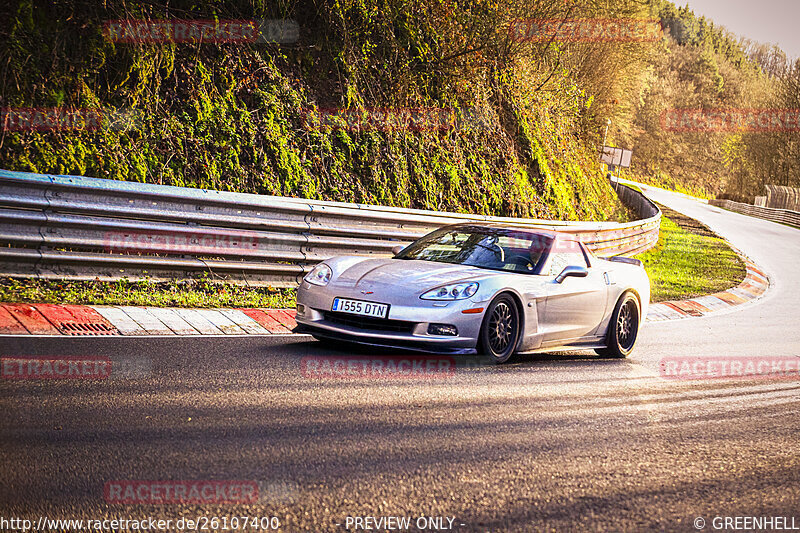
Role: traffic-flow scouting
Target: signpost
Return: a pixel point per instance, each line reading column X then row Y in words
column 616, row 158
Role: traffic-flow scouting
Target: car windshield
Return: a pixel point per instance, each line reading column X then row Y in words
column 492, row 248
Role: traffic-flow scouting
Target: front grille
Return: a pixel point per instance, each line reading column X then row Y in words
column 365, row 322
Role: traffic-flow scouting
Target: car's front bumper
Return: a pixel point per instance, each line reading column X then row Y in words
column 314, row 317
column 394, row 343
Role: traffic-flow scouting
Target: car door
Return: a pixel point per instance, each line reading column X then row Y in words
column 575, row 307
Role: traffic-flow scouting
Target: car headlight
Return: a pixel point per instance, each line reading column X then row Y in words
column 456, row 291
column 319, row 275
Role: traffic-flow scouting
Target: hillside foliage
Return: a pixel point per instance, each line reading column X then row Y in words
column 522, row 123
column 520, row 137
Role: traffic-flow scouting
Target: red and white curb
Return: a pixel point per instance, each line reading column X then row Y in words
column 51, row 319
column 754, row 286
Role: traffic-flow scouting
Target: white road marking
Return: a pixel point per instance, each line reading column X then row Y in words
column 244, row 321
column 712, row 302
column 172, row 320
column 225, row 324
column 149, row 322
column 198, row 321
column 124, row 324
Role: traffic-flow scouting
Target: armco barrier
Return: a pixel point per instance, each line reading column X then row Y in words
column 782, row 197
column 783, row 216
column 73, row 227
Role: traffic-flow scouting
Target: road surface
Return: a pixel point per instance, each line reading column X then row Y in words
column 564, row 443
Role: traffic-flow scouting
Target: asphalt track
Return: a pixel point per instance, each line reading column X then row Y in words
column 553, row 442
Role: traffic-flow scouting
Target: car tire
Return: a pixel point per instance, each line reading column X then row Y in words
column 500, row 329
column 623, row 328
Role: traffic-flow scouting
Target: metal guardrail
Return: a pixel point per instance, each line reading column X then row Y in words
column 73, row 227
column 784, row 216
column 782, row 197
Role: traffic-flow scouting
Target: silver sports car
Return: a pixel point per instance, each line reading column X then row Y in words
column 490, row 288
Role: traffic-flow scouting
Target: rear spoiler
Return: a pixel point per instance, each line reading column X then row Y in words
column 622, row 259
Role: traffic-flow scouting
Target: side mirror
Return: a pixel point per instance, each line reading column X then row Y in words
column 572, row 272
column 397, row 249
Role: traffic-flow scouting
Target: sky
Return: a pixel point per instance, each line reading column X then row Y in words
column 767, row 21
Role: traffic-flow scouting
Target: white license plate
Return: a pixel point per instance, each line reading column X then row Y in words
column 358, row 307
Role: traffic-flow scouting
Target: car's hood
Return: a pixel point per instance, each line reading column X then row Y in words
column 415, row 275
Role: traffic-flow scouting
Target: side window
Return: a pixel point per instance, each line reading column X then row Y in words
column 561, row 260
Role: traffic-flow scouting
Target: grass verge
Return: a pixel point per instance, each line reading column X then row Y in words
column 194, row 293
column 689, row 260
